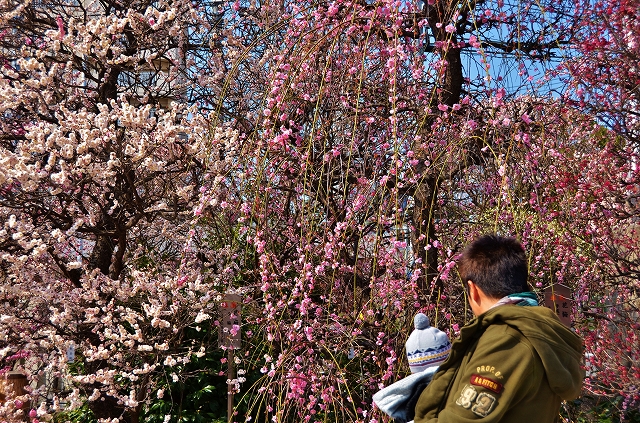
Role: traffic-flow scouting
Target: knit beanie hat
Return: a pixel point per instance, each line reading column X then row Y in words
column 427, row 346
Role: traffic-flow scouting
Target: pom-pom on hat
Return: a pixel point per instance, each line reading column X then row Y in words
column 427, row 346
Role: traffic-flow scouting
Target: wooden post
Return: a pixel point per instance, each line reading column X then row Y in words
column 231, row 374
column 229, row 338
column 16, row 382
column 12, row 385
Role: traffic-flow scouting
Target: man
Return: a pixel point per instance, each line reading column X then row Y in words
column 515, row 362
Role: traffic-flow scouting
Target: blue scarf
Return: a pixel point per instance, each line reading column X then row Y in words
column 527, row 299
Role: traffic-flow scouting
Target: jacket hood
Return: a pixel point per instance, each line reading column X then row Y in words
column 557, row 346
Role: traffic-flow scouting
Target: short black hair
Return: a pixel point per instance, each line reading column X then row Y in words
column 497, row 265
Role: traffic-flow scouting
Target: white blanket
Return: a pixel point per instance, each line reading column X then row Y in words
column 398, row 400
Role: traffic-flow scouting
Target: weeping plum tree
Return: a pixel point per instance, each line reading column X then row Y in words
column 375, row 156
column 384, row 148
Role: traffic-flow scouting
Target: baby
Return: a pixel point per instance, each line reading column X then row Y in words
column 427, row 347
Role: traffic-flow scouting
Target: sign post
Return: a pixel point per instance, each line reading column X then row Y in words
column 229, row 338
column 231, row 374
column 558, row 298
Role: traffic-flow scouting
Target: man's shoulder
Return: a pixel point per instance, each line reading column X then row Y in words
column 519, row 317
column 510, row 311
column 502, row 330
column 501, row 335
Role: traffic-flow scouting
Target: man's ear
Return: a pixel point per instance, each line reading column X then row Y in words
column 474, row 292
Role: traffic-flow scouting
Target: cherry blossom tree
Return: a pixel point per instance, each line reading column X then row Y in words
column 606, row 73
column 604, row 220
column 579, row 226
column 104, row 156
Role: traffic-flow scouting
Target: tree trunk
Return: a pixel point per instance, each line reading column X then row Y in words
column 102, row 253
column 426, row 194
column 425, row 204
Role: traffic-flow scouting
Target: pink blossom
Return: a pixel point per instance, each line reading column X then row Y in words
column 60, row 24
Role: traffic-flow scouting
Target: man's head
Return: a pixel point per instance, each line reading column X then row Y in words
column 495, row 264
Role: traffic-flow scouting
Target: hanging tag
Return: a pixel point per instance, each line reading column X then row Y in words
column 229, row 334
column 559, row 299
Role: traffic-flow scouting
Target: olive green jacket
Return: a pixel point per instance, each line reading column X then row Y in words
column 511, row 364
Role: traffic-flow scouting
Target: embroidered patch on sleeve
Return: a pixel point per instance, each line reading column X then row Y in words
column 467, row 396
column 484, row 404
column 485, row 382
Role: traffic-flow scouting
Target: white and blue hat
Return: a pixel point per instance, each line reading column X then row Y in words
column 427, row 346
